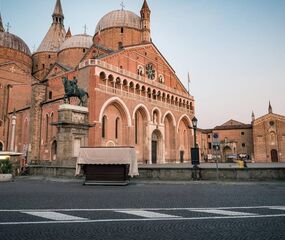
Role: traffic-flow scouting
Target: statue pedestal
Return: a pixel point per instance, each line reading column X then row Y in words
column 72, row 133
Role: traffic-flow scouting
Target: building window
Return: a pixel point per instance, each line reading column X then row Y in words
column 122, row 30
column 150, row 71
column 160, row 78
column 117, row 128
column 209, row 136
column 48, row 56
column 43, row 66
column 104, row 121
column 140, row 70
column 120, row 45
column 243, row 144
column 210, row 145
column 242, row 133
column 83, row 50
column 50, row 95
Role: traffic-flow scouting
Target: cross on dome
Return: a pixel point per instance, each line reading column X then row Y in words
column 85, row 29
column 8, row 26
column 122, row 5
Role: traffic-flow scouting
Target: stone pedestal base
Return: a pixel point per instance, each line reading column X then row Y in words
column 72, row 133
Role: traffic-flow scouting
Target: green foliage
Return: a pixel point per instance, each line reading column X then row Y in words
column 5, row 167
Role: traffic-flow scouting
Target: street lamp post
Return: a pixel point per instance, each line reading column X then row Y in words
column 195, row 151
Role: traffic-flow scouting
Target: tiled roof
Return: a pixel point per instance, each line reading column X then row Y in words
column 9, row 40
column 77, row 41
column 53, row 39
column 231, row 127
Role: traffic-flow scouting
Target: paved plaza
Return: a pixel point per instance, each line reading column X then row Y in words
column 45, row 209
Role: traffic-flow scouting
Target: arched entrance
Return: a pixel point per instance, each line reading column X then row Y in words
column 156, row 146
column 141, row 116
column 184, row 139
column 227, row 151
column 53, row 150
column 274, row 155
column 115, row 120
column 1, row 146
column 169, row 139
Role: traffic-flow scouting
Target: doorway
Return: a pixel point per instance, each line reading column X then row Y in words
column 274, row 155
column 156, row 147
column 154, row 152
column 181, row 156
column 53, row 150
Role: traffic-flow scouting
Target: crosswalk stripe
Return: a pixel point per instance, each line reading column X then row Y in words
column 278, row 208
column 55, row 216
column 148, row 214
column 223, row 212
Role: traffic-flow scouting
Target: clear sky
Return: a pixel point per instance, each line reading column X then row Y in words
column 234, row 49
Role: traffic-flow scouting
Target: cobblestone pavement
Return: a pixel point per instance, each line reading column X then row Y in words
column 67, row 210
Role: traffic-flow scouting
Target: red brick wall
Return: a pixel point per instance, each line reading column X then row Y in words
column 112, row 36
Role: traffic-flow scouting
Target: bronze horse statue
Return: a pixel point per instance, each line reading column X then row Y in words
column 72, row 90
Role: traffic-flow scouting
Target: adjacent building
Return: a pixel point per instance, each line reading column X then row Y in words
column 261, row 141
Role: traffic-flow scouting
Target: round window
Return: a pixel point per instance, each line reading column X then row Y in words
column 150, row 72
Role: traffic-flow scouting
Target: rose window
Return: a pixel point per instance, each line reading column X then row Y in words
column 150, row 72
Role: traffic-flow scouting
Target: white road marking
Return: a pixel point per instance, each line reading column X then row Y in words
column 223, row 212
column 147, row 214
column 278, row 208
column 144, row 219
column 55, row 216
column 134, row 209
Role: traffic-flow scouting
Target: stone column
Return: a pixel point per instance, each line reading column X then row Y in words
column 12, row 143
column 72, row 133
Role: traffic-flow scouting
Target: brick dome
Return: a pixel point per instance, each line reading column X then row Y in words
column 9, row 40
column 119, row 18
column 77, row 41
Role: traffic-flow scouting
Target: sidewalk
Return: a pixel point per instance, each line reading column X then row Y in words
column 213, row 165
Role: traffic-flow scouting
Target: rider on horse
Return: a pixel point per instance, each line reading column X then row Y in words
column 73, row 83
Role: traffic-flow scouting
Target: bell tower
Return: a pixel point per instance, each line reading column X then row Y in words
column 57, row 15
column 145, row 20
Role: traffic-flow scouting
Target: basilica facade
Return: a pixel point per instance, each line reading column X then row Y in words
column 135, row 97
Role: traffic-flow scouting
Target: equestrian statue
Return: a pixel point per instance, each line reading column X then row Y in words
column 72, row 90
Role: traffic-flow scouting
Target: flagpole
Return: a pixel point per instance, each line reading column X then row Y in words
column 189, row 82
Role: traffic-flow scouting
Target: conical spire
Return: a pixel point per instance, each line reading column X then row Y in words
column 57, row 15
column 252, row 116
column 145, row 6
column 269, row 108
column 1, row 24
column 56, row 34
column 58, row 9
column 68, row 34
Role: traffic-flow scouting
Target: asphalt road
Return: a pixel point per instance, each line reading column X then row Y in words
column 39, row 209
